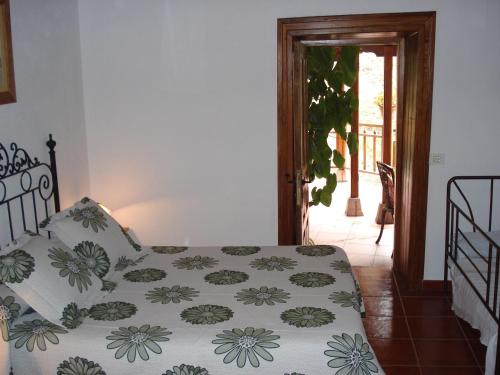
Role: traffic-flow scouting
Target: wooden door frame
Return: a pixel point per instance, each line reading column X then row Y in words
column 412, row 162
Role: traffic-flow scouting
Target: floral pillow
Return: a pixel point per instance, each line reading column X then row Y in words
column 11, row 307
column 54, row 280
column 89, row 230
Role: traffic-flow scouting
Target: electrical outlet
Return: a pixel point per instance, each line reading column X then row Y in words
column 437, row 159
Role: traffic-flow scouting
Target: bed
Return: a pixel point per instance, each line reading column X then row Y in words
column 173, row 309
column 472, row 261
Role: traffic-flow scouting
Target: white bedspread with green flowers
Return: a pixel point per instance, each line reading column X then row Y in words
column 218, row 311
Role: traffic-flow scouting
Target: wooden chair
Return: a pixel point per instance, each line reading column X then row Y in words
column 386, row 173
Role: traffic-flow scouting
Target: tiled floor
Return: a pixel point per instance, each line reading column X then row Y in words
column 356, row 235
column 416, row 333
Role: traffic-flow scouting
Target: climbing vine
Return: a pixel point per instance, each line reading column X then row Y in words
column 331, row 76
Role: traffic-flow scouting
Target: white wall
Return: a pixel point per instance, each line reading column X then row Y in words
column 180, row 106
column 47, row 64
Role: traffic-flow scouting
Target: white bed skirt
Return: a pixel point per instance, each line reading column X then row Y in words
column 468, row 306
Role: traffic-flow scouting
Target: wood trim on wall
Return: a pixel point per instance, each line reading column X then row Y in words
column 9, row 94
column 436, row 285
column 412, row 163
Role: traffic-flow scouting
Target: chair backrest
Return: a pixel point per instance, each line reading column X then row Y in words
column 386, row 173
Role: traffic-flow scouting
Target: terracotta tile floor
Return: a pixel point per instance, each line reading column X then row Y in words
column 416, row 332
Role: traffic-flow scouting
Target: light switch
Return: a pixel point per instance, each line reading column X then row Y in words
column 437, row 159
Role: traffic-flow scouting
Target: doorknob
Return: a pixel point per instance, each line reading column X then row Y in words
column 301, row 180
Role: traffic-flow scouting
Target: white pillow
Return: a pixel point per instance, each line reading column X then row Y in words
column 11, row 307
column 88, row 229
column 50, row 277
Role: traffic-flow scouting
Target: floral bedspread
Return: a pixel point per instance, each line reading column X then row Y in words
column 218, row 311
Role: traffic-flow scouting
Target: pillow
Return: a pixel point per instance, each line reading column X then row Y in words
column 51, row 278
column 89, row 230
column 11, row 307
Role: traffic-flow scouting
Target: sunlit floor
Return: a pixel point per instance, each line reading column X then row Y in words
column 356, row 235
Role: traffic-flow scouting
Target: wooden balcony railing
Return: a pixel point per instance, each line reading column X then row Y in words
column 370, row 147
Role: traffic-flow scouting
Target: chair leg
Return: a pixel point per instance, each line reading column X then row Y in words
column 384, row 211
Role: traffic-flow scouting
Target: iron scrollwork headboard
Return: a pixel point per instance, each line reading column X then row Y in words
column 26, row 188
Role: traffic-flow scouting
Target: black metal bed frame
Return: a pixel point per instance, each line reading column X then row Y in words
column 17, row 187
column 16, row 163
column 455, row 216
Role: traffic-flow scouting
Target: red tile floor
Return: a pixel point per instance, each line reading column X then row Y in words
column 416, row 333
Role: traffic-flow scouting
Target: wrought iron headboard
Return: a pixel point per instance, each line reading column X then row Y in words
column 27, row 186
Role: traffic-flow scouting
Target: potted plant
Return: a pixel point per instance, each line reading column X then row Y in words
column 331, row 76
column 379, row 101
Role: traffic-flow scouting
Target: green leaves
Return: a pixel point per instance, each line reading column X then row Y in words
column 347, row 64
column 331, row 75
column 324, row 195
column 352, row 143
column 338, row 159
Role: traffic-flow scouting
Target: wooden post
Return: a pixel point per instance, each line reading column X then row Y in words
column 387, row 121
column 353, row 203
column 340, row 145
column 355, row 129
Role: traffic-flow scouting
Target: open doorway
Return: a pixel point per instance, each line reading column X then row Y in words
column 413, row 34
column 356, row 226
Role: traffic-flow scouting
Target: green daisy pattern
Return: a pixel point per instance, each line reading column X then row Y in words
column 312, row 279
column 90, row 217
column 9, row 311
column 307, row 317
column 132, row 340
column 94, row 256
column 206, row 314
column 124, row 262
column 168, row 249
column 132, row 243
column 73, row 268
column 108, row 285
column 72, row 316
column 342, row 266
column 187, row 370
column 351, row 355
column 249, row 343
column 79, row 366
column 198, row 262
column 35, row 331
column 346, row 299
column 226, row 277
column 44, row 222
column 240, row 250
column 175, row 294
column 274, row 263
column 317, row 250
column 145, row 275
column 263, row 295
column 31, row 233
column 16, row 266
column 111, row 311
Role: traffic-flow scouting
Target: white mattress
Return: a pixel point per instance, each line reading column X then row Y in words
column 478, row 241
column 468, row 306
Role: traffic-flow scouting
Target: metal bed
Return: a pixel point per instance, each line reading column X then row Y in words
column 462, row 254
column 29, row 190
